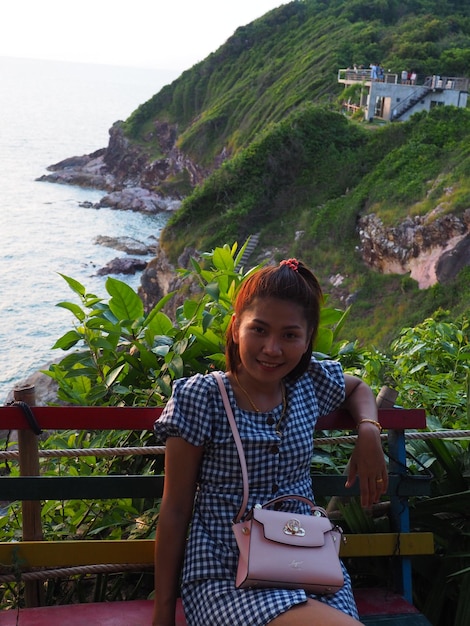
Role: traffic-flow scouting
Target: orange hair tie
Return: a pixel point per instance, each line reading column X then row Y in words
column 293, row 264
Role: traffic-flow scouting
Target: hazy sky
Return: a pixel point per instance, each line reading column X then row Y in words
column 166, row 34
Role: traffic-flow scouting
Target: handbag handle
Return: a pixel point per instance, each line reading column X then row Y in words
column 238, row 443
column 295, row 496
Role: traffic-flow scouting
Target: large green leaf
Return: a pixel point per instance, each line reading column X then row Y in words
column 67, row 341
column 125, row 304
column 97, row 393
column 223, row 259
column 74, row 308
column 77, row 287
column 324, row 341
column 160, row 324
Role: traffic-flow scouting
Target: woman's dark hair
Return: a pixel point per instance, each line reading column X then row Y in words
column 292, row 281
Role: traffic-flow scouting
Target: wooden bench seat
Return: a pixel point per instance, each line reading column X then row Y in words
column 376, row 606
column 133, row 613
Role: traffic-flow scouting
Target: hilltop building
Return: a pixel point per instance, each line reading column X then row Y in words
column 394, row 97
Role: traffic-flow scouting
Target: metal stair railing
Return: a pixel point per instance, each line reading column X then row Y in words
column 405, row 105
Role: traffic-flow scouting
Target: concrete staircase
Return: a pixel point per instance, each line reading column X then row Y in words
column 419, row 94
column 252, row 243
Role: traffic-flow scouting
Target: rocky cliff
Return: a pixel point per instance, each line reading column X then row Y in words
column 430, row 248
column 134, row 178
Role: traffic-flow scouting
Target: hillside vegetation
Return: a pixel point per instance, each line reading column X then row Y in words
column 291, row 56
column 300, row 173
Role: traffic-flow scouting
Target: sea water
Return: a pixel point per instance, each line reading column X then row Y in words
column 50, row 111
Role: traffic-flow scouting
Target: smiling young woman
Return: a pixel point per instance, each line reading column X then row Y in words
column 277, row 390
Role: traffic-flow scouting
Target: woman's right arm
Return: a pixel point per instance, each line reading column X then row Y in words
column 182, row 461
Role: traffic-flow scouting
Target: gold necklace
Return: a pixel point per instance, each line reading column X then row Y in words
column 246, row 394
column 284, row 403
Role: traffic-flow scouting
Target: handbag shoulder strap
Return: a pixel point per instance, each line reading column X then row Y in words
column 238, row 443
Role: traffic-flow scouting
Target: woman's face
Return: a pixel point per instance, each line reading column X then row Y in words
column 272, row 335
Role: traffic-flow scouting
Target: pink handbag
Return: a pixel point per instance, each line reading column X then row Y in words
column 283, row 549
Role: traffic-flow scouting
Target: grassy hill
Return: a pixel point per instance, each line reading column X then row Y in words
column 291, row 56
column 267, row 101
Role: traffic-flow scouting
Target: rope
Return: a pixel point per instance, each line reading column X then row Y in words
column 440, row 434
column 30, row 418
column 101, row 452
column 155, row 450
column 75, row 571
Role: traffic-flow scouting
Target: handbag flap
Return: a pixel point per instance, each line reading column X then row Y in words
column 292, row 528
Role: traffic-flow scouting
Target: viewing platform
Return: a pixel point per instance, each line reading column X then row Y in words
column 391, row 98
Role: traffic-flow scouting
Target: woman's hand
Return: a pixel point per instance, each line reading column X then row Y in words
column 367, row 463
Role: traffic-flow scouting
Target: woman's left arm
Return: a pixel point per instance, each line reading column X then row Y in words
column 367, row 461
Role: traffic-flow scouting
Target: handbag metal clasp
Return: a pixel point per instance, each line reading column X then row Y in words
column 293, row 527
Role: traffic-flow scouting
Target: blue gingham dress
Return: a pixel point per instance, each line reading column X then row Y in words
column 276, row 466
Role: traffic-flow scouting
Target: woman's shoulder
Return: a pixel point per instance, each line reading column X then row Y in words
column 325, row 367
column 326, row 381
column 196, row 384
column 190, row 411
column 197, row 391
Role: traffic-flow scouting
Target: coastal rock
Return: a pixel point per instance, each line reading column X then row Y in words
column 124, row 165
column 131, row 165
column 160, row 278
column 430, row 249
column 85, row 171
column 138, row 168
column 138, row 199
column 127, row 265
column 125, row 244
column 124, row 160
column 133, row 178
